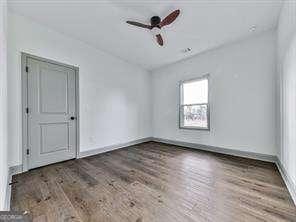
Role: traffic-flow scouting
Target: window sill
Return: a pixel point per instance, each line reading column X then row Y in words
column 194, row 128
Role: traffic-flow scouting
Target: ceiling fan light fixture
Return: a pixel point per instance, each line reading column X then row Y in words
column 156, row 31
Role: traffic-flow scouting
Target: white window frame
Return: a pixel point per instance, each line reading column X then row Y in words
column 181, row 103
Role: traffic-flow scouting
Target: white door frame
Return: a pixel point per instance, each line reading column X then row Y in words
column 24, row 58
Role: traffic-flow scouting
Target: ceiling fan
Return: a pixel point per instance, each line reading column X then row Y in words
column 157, row 24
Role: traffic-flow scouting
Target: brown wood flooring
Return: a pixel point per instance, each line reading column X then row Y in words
column 155, row 182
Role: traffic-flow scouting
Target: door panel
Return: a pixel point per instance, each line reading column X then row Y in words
column 51, row 101
column 53, row 91
column 54, row 137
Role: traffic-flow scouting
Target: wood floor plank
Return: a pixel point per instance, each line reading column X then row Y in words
column 155, row 182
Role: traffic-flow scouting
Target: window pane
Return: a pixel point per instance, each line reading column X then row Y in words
column 195, row 116
column 195, row 92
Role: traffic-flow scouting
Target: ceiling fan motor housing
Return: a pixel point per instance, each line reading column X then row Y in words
column 155, row 20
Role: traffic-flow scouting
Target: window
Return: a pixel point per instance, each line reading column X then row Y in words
column 194, row 104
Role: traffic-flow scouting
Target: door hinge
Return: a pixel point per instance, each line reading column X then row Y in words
column 28, row 151
column 27, row 110
column 27, row 69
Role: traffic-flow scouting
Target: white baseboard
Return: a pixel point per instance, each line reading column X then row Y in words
column 11, row 171
column 251, row 155
column 112, row 147
column 7, row 194
column 287, row 179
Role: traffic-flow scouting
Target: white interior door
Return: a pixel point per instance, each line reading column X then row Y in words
column 52, row 114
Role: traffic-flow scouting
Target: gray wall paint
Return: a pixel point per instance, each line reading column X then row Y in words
column 242, row 96
column 287, row 89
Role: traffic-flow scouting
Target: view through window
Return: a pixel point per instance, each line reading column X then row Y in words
column 194, row 107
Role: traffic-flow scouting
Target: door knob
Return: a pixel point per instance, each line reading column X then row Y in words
column 72, row 117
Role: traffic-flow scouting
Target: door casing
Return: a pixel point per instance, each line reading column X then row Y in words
column 24, row 77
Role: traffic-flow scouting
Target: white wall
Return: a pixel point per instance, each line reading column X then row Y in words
column 3, row 107
column 287, row 85
column 242, row 96
column 108, row 87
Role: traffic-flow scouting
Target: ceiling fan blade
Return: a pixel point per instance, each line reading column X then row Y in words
column 170, row 18
column 159, row 40
column 139, row 24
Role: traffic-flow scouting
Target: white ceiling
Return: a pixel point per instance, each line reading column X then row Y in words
column 202, row 24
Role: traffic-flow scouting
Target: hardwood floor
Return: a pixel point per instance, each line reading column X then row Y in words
column 155, row 182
